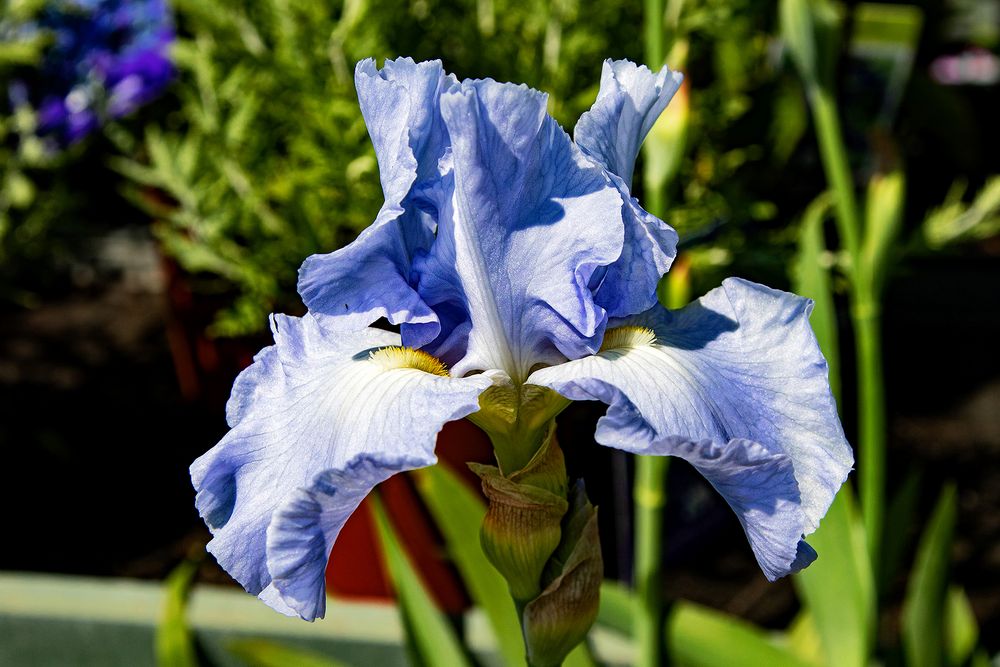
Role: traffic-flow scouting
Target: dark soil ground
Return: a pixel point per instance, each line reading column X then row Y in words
column 97, row 435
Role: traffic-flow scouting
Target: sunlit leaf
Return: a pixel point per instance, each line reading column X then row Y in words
column 923, row 615
column 617, row 607
column 961, row 628
column 432, row 635
column 811, row 278
column 701, row 637
column 579, row 657
column 883, row 219
column 263, row 653
column 955, row 222
column 458, row 512
column 838, row 589
column 803, row 639
column 174, row 640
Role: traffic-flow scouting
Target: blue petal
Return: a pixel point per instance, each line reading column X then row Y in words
column 740, row 364
column 759, row 484
column 630, row 100
column 352, row 287
column 628, row 286
column 529, row 220
column 303, row 530
column 313, row 402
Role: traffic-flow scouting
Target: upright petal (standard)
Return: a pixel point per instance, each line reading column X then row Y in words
column 371, row 278
column 530, row 219
column 630, row 100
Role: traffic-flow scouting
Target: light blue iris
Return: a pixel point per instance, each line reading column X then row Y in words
column 508, row 250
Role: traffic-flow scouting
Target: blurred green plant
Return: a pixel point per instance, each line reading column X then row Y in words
column 175, row 645
column 957, row 222
column 265, row 653
column 267, row 159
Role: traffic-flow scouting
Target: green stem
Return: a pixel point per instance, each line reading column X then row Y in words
column 653, row 17
column 867, row 323
column 864, row 315
column 650, row 471
column 650, row 498
column 654, row 195
column 837, row 168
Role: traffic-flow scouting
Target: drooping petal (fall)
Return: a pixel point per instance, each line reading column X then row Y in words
column 317, row 421
column 734, row 378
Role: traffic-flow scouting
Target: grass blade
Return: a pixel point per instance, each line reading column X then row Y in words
column 458, row 512
column 923, row 609
column 701, row 637
column 174, row 639
column 433, row 637
column 263, row 653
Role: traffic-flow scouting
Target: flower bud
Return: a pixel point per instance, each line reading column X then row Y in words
column 522, row 527
column 560, row 617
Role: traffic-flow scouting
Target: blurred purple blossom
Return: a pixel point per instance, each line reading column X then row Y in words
column 107, row 58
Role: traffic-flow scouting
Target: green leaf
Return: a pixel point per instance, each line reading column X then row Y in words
column 579, row 657
column 617, row 607
column 433, row 637
column 701, row 637
column 809, row 30
column 885, row 37
column 811, row 278
column 796, row 23
column 664, row 146
column 898, row 536
column 803, row 639
column 263, row 653
column 838, row 589
column 789, row 122
column 887, row 24
column 955, row 222
column 19, row 52
column 923, row 624
column 174, row 640
column 883, row 219
column 960, row 626
column 458, row 512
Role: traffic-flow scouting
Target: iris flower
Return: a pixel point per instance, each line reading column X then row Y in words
column 521, row 275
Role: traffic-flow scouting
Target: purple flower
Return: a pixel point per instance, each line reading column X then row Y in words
column 108, row 58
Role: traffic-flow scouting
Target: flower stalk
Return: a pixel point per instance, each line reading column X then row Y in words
column 865, row 318
column 650, row 498
column 807, row 30
column 541, row 535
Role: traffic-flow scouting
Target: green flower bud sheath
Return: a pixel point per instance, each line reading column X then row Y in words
column 539, row 532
